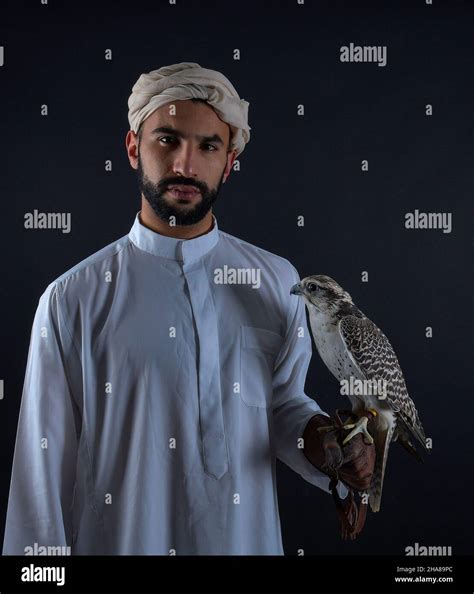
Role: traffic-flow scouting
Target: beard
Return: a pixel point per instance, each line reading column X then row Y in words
column 165, row 209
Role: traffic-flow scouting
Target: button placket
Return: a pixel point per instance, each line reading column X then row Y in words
column 209, row 389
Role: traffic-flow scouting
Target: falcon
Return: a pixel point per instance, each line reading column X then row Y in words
column 355, row 351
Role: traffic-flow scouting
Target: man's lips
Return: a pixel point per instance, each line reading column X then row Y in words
column 184, row 189
column 187, row 194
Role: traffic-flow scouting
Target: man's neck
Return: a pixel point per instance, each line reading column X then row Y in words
column 150, row 219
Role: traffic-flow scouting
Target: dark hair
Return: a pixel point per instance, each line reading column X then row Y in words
column 140, row 128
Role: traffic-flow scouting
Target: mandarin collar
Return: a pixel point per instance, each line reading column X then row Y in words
column 183, row 250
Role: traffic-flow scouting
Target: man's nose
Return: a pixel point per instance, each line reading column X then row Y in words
column 185, row 161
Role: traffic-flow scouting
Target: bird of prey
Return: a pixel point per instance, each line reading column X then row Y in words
column 352, row 346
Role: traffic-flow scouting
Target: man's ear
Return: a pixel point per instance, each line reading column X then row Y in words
column 231, row 156
column 132, row 146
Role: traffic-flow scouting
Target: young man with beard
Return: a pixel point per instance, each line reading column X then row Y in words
column 156, row 400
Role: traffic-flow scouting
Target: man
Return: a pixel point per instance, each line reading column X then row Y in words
column 166, row 371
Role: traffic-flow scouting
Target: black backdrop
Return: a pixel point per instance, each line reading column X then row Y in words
column 294, row 165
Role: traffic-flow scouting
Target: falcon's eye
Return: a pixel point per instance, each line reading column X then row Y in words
column 312, row 287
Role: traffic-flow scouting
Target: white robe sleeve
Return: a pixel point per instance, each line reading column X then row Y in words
column 44, row 464
column 292, row 408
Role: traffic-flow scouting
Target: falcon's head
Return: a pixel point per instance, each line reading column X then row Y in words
column 322, row 292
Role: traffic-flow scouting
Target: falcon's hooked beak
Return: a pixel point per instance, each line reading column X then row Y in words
column 296, row 289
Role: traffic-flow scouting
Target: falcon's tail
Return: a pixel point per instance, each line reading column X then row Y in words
column 382, row 441
column 404, row 440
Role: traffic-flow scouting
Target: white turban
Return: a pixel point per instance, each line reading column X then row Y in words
column 187, row 80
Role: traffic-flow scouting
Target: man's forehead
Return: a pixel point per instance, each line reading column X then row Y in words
column 187, row 119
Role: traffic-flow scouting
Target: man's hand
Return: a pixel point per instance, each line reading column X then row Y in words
column 353, row 462
column 358, row 463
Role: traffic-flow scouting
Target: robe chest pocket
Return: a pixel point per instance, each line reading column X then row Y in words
column 258, row 351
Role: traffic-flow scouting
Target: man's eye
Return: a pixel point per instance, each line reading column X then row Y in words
column 173, row 139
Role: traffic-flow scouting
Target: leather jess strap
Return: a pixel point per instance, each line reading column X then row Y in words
column 351, row 516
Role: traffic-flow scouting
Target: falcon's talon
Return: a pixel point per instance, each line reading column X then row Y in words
column 359, row 427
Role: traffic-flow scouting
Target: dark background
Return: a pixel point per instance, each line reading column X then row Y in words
column 293, row 165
